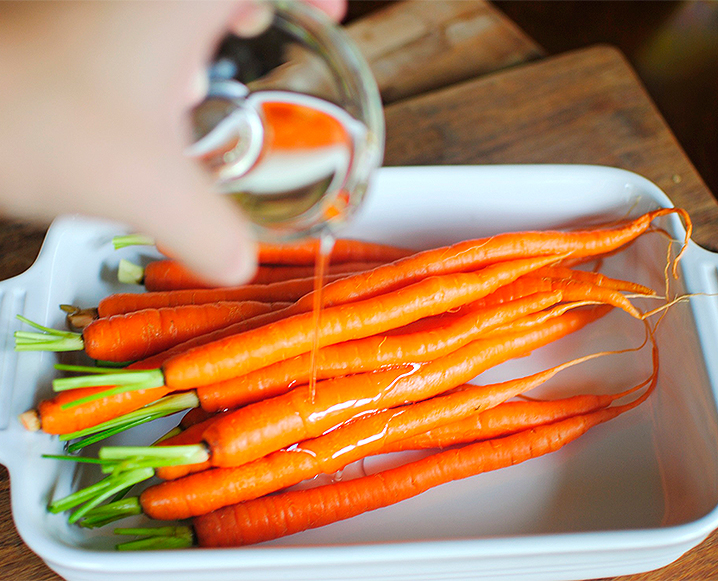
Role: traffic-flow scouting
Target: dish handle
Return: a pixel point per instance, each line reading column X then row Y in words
column 14, row 299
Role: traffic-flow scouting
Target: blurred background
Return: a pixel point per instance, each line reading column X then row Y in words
column 672, row 45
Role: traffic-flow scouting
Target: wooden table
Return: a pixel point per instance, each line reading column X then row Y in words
column 584, row 107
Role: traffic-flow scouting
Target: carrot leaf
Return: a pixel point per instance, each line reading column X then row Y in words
column 178, row 537
column 177, row 455
column 96, row 493
column 113, row 484
column 107, row 513
column 135, row 379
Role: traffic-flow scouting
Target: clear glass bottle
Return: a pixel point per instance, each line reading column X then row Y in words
column 292, row 126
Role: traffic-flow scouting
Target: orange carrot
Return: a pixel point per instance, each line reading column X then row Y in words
column 292, row 336
column 504, row 419
column 288, row 290
column 298, row 253
column 53, row 418
column 361, row 437
column 474, row 254
column 290, row 512
column 167, row 275
column 593, row 278
column 194, row 416
column 292, row 126
column 139, row 334
column 269, row 274
column 371, row 353
column 260, row 428
column 304, row 252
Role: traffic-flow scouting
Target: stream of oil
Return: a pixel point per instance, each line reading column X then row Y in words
column 324, row 251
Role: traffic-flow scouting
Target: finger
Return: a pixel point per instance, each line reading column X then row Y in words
column 335, row 9
column 202, row 229
column 251, row 18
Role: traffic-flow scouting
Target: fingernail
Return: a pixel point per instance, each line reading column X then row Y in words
column 252, row 19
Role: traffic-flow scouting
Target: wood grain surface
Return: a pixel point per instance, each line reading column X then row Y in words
column 416, row 46
column 582, row 107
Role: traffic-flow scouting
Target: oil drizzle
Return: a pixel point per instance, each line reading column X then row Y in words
column 324, row 251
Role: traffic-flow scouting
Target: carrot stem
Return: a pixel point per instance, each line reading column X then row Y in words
column 190, row 454
column 89, row 368
column 145, row 378
column 130, row 273
column 115, row 484
column 179, row 537
column 127, row 467
column 132, row 240
column 163, row 407
column 96, row 493
column 75, row 459
column 98, row 437
column 108, row 513
column 111, row 392
column 47, row 339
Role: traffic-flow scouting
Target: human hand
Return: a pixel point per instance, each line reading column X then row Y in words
column 94, row 111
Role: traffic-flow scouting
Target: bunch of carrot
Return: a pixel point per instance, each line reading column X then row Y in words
column 283, row 395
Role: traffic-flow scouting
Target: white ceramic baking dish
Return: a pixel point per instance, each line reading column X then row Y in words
column 631, row 495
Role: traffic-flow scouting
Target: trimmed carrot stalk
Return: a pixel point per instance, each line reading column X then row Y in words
column 292, row 336
column 475, row 254
column 443, row 336
column 166, row 275
column 137, row 335
column 283, row 291
column 270, row 517
column 263, row 427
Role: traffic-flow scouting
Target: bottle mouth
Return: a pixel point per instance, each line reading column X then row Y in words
column 305, row 59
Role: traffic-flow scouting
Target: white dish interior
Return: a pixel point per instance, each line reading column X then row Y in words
column 629, row 496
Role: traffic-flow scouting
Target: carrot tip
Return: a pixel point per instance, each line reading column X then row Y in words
column 77, row 318
column 30, row 420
